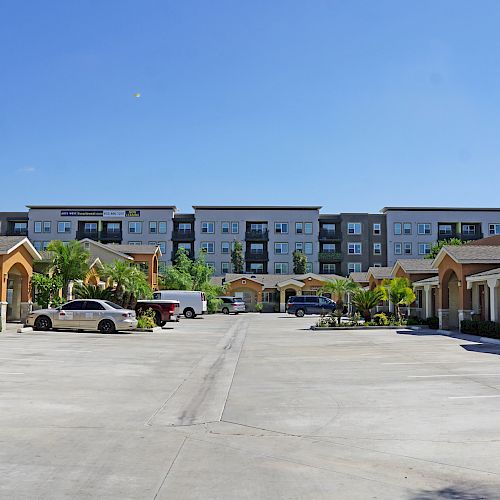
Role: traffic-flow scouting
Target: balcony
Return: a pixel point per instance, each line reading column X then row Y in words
column 329, row 235
column 190, row 254
column 328, row 257
column 257, row 235
column 256, row 256
column 16, row 232
column 110, row 236
column 461, row 236
column 178, row 235
column 91, row 235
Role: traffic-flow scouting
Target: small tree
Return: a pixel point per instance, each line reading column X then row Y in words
column 69, row 261
column 46, row 289
column 440, row 244
column 366, row 300
column 399, row 291
column 237, row 257
column 299, row 262
column 338, row 289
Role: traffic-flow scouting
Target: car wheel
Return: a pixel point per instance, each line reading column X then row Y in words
column 158, row 320
column 43, row 323
column 225, row 310
column 300, row 313
column 189, row 313
column 106, row 326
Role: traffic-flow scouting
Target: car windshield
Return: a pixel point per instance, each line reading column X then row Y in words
column 113, row 305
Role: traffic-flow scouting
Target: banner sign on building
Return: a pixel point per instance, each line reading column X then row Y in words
column 101, row 213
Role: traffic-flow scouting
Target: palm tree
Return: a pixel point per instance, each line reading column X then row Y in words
column 365, row 300
column 86, row 291
column 69, row 261
column 399, row 291
column 338, row 289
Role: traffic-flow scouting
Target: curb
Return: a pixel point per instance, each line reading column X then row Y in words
column 156, row 329
column 25, row 329
column 321, row 328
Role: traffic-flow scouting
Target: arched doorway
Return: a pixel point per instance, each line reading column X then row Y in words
column 289, row 292
column 450, row 300
column 17, row 292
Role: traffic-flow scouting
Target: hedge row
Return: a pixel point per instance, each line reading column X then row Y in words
column 482, row 328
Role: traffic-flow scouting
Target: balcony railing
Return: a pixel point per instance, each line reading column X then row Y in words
column 330, row 256
column 256, row 256
column 178, row 235
column 257, row 235
column 110, row 236
column 91, row 235
column 461, row 236
column 17, row 232
column 329, row 235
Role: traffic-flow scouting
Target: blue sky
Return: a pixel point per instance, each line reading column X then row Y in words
column 350, row 104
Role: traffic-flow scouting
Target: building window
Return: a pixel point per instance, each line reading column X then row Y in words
column 135, row 227
column 468, row 229
column 185, row 246
column 377, row 229
column 281, row 267
column 309, row 267
column 37, row 245
column 64, row 227
column 280, row 248
column 308, row 227
column 210, row 265
column 281, row 227
column 256, row 267
column 330, row 268
column 163, row 246
column 377, row 249
column 235, row 227
column 424, row 248
column 38, row 227
column 398, row 249
column 46, row 226
column 162, row 227
column 113, row 227
column 354, row 228
column 257, row 248
column 308, row 248
column 208, row 227
column 398, row 228
column 224, row 267
column 135, row 242
column 162, row 267
column 90, row 227
column 445, row 229
column 299, row 227
column 225, row 227
column 329, row 247
column 153, row 227
column 208, row 246
column 407, row 228
column 354, row 267
column 184, row 227
column 225, row 247
column 494, row 229
column 354, row 248
column 424, row 228
column 299, row 246
column 407, row 248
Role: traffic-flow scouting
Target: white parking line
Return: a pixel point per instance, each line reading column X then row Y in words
column 474, row 397
column 33, row 359
column 457, row 375
column 12, row 373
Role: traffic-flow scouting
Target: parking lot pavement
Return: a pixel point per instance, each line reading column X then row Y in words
column 249, row 407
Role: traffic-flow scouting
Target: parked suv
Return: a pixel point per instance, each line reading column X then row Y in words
column 231, row 305
column 309, row 304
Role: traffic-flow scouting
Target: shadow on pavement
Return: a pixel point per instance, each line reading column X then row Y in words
column 456, row 493
column 486, row 348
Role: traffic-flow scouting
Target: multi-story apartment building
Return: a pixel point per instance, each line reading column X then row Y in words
column 360, row 242
column 13, row 223
column 269, row 236
column 132, row 225
column 411, row 231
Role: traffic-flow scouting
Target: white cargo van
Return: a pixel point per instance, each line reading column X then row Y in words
column 191, row 303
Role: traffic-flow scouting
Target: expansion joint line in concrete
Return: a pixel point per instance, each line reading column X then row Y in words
column 170, row 468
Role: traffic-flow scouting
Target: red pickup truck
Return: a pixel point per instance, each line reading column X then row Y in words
column 165, row 310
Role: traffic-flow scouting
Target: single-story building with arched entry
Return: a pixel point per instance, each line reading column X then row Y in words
column 16, row 267
column 272, row 290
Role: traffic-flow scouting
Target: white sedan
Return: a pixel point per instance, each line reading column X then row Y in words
column 102, row 315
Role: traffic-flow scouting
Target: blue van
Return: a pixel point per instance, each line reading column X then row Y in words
column 301, row 305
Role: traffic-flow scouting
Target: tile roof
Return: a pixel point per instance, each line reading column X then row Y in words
column 470, row 254
column 434, row 280
column 271, row 280
column 359, row 277
column 491, row 272
column 138, row 249
column 416, row 265
column 380, row 273
column 7, row 242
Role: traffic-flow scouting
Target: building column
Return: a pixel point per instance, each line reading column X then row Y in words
column 493, row 296
column 443, row 315
column 463, row 314
column 427, row 301
column 26, row 308
column 475, row 296
column 3, row 316
column 282, row 301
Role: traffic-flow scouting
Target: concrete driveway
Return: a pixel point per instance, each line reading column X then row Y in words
column 248, row 407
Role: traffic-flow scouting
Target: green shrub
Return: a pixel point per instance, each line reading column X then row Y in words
column 259, row 306
column 381, row 319
column 146, row 319
column 415, row 320
column 482, row 328
column 432, row 322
